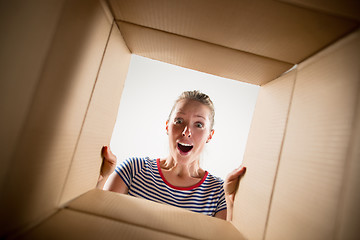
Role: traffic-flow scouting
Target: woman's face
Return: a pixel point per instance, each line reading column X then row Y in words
column 188, row 130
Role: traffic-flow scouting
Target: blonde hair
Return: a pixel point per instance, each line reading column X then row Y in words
column 199, row 97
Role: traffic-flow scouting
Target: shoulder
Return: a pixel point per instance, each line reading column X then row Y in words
column 137, row 163
column 140, row 160
column 213, row 181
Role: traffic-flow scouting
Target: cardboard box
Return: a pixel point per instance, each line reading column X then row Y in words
column 63, row 66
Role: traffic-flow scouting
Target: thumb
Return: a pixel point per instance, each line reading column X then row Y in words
column 108, row 155
column 236, row 173
column 106, row 152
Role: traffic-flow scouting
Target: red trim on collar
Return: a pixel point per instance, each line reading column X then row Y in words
column 179, row 188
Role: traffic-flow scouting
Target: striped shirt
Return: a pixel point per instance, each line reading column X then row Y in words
column 144, row 179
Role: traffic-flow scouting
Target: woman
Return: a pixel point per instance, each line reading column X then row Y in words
column 177, row 180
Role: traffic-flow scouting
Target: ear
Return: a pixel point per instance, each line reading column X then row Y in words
column 167, row 127
column 210, row 135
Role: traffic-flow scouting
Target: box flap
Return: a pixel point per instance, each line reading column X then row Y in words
column 272, row 29
column 315, row 165
column 262, row 156
column 201, row 56
column 153, row 215
column 69, row 224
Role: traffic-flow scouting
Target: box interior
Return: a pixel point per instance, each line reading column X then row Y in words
column 64, row 65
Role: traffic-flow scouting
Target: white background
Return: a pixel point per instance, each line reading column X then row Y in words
column 150, row 91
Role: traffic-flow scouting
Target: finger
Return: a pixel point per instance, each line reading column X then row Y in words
column 236, row 173
column 104, row 151
column 241, row 170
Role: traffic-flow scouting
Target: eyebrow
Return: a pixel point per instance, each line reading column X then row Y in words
column 182, row 113
column 200, row 116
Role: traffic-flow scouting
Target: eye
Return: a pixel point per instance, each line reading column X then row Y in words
column 178, row 120
column 199, row 125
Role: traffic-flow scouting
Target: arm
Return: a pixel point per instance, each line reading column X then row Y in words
column 116, row 184
column 109, row 179
column 221, row 214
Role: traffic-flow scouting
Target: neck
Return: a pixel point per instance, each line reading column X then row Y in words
column 189, row 169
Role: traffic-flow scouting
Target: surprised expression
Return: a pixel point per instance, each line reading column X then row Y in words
column 189, row 128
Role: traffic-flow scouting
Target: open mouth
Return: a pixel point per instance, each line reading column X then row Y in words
column 185, row 148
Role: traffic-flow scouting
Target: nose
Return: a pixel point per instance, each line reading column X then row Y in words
column 186, row 132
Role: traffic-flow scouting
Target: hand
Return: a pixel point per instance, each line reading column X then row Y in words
column 232, row 181
column 108, row 164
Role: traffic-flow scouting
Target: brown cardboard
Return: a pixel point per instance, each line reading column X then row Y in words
column 262, row 156
column 102, row 109
column 41, row 161
column 349, row 211
column 24, row 49
column 154, row 216
column 67, row 224
column 345, row 8
column 199, row 55
column 303, row 150
column 266, row 28
column 315, row 157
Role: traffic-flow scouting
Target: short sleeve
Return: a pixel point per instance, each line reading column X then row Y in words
column 128, row 169
column 222, row 202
